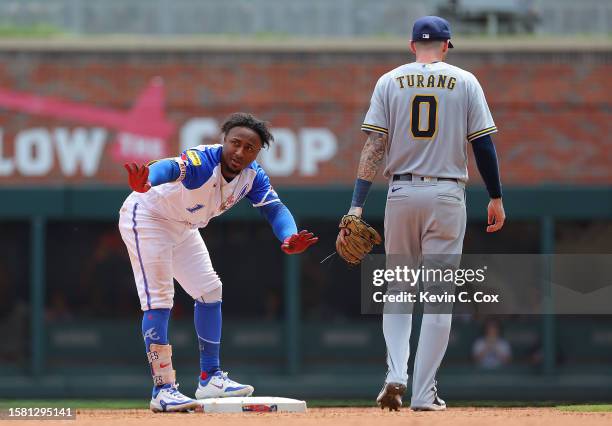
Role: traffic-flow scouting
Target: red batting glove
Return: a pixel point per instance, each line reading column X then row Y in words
column 138, row 177
column 297, row 243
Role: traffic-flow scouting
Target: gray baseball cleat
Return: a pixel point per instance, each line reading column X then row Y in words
column 438, row 404
column 390, row 396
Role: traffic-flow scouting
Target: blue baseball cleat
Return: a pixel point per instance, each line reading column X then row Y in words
column 218, row 385
column 167, row 398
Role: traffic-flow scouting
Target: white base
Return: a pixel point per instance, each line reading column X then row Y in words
column 248, row 404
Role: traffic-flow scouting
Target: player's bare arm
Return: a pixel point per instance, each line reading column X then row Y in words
column 371, row 159
column 372, row 156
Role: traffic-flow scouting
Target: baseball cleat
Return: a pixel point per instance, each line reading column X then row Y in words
column 438, row 404
column 218, row 385
column 390, row 396
column 167, row 398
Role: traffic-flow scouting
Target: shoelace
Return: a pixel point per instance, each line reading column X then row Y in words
column 225, row 378
column 435, row 391
column 173, row 390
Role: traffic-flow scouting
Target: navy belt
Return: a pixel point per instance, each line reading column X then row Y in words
column 408, row 177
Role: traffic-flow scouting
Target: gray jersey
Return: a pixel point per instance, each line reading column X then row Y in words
column 429, row 112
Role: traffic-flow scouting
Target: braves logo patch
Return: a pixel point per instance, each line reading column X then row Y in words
column 194, row 158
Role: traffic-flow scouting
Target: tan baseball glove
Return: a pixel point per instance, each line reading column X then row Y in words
column 359, row 239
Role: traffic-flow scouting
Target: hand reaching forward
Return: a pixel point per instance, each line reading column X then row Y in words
column 138, row 177
column 297, row 243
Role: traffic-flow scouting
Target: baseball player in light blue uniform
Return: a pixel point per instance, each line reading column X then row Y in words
column 421, row 117
column 159, row 224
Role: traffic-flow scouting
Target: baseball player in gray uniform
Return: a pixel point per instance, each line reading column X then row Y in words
column 421, row 117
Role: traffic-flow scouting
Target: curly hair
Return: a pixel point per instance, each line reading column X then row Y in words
column 244, row 119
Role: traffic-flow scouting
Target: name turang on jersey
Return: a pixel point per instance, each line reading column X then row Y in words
column 204, row 193
column 440, row 81
column 422, row 107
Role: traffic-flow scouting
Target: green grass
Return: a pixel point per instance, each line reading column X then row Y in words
column 37, row 30
column 585, row 408
column 118, row 404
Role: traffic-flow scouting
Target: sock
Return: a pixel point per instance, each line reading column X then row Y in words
column 155, row 327
column 207, row 320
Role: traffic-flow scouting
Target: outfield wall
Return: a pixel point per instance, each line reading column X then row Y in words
column 73, row 113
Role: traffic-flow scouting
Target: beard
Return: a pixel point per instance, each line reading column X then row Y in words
column 230, row 168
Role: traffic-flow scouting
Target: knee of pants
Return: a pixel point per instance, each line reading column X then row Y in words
column 211, row 296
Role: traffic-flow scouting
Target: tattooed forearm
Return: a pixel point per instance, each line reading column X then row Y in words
column 372, row 156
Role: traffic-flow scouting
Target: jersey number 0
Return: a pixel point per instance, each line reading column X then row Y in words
column 415, row 116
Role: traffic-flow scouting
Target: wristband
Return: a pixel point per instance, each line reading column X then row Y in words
column 360, row 193
column 182, row 169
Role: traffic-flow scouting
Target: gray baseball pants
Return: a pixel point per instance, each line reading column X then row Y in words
column 421, row 218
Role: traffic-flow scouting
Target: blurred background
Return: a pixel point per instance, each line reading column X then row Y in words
column 85, row 86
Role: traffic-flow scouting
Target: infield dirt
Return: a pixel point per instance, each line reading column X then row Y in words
column 343, row 416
